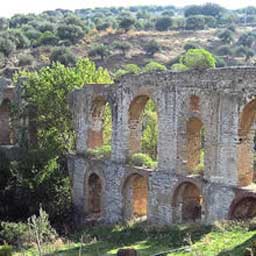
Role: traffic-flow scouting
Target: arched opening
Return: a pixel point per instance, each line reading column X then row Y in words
column 135, row 197
column 246, row 146
column 195, row 145
column 194, row 103
column 100, row 130
column 143, row 127
column 94, row 195
column 244, row 209
column 187, row 203
column 6, row 133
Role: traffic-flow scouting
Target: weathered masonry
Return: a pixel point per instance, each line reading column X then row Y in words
column 217, row 107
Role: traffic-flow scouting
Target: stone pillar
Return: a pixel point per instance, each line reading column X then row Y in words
column 167, row 130
column 226, row 166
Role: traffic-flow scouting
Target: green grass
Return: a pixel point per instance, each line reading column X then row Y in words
column 205, row 240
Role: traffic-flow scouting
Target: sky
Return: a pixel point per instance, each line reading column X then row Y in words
column 11, row 7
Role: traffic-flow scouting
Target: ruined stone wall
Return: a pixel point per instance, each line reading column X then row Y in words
column 216, row 98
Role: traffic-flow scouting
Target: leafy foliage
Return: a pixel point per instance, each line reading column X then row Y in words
column 142, row 160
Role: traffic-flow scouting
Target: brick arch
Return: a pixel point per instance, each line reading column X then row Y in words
column 135, row 114
column 194, row 143
column 243, row 207
column 6, row 133
column 245, row 149
column 95, row 191
column 187, row 203
column 135, row 196
column 96, row 120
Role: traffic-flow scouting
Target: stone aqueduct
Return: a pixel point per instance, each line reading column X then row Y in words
column 222, row 101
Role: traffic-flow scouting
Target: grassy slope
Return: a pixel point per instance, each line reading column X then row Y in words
column 99, row 241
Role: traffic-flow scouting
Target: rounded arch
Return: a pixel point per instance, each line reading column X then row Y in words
column 135, row 196
column 94, row 194
column 100, row 115
column 195, row 144
column 187, row 203
column 243, row 208
column 138, row 121
column 246, row 149
column 6, row 132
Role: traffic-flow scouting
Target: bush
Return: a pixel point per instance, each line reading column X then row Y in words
column 127, row 69
column 142, row 160
column 225, row 50
column 100, row 152
column 126, row 23
column 196, row 22
column 13, row 233
column 154, row 66
column 6, row 250
column 179, row 67
column 122, row 46
column 151, row 47
column 25, row 60
column 220, row 62
column 73, row 33
column 7, row 46
column 101, row 50
column 63, row 55
column 191, row 45
column 163, row 23
column 227, row 36
column 198, row 59
column 48, row 38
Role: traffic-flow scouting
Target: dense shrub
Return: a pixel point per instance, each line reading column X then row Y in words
column 25, row 60
column 13, row 233
column 163, row 23
column 6, row 250
column 225, row 50
column 126, row 23
column 151, row 47
column 198, row 59
column 7, row 46
column 227, row 36
column 179, row 67
column 196, row 22
column 73, row 33
column 47, row 38
column 154, row 66
column 100, row 152
column 123, row 46
column 191, row 45
column 63, row 55
column 142, row 160
column 101, row 50
column 220, row 62
column 127, row 69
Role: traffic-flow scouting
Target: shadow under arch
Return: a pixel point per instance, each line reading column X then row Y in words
column 135, row 196
column 245, row 149
column 187, row 203
column 100, row 109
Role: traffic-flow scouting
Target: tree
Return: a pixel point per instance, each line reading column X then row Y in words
column 198, row 59
column 126, row 23
column 123, row 46
column 4, row 24
column 101, row 50
column 63, row 55
column 73, row 33
column 163, row 23
column 227, row 36
column 196, row 22
column 151, row 47
column 7, row 46
column 47, row 38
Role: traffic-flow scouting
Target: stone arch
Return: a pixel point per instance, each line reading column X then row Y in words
column 187, row 203
column 245, row 151
column 6, row 133
column 94, row 195
column 194, row 144
column 96, row 119
column 194, row 103
column 135, row 123
column 243, row 208
column 135, row 196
